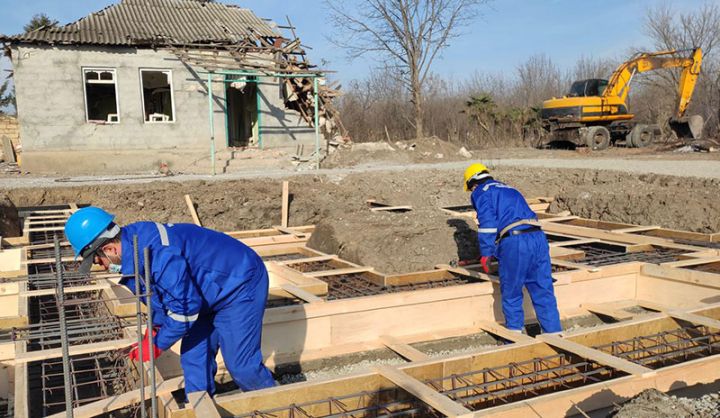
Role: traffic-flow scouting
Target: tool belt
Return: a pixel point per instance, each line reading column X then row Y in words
column 507, row 231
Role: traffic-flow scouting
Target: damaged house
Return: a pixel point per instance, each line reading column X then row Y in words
column 126, row 88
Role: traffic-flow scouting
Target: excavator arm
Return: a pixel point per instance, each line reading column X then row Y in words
column 619, row 83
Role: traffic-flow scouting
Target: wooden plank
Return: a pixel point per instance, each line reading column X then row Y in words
column 693, row 318
column 48, row 229
column 70, row 289
column 595, row 355
column 74, row 350
column 191, row 208
column 574, row 242
column 300, row 293
column 577, row 266
column 701, row 278
column 116, row 402
column 285, row 204
column 307, row 260
column 700, row 260
column 11, row 259
column 203, row 405
column 438, row 401
column 502, row 332
column 603, row 309
column 337, row 272
column 392, row 208
column 404, row 350
column 634, row 229
column 549, row 225
column 376, row 206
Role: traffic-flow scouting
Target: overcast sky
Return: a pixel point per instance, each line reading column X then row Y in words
column 505, row 35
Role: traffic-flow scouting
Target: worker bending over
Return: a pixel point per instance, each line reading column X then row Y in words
column 509, row 231
column 208, row 289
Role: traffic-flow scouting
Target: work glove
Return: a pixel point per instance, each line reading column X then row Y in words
column 135, row 351
column 484, row 262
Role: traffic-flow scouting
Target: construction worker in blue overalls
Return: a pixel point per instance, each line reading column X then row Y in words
column 509, row 231
column 208, row 289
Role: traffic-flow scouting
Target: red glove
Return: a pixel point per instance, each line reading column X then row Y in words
column 135, row 352
column 484, row 261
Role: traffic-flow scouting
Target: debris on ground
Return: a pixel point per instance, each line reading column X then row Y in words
column 417, row 150
column 652, row 403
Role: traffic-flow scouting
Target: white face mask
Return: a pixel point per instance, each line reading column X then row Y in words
column 114, row 268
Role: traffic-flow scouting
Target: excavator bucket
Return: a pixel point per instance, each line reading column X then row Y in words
column 689, row 127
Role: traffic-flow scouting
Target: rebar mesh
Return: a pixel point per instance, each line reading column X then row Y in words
column 382, row 403
column 312, row 266
column 45, row 237
column 94, row 377
column 600, row 255
column 476, row 390
column 344, row 286
column 667, row 347
column 88, row 321
column 284, row 257
column 521, row 380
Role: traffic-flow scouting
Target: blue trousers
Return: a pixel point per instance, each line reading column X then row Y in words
column 237, row 330
column 525, row 262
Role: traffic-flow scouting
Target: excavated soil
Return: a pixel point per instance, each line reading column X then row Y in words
column 395, row 242
column 9, row 224
column 652, row 403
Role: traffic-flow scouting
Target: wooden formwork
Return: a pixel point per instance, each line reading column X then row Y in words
column 311, row 326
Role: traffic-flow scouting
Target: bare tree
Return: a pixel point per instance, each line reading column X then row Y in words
column 669, row 29
column 589, row 67
column 407, row 34
column 538, row 79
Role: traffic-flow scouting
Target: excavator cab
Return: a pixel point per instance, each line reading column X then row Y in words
column 588, row 88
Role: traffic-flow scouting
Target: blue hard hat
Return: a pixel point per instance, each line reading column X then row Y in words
column 86, row 225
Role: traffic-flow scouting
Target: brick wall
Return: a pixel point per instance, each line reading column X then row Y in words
column 9, row 128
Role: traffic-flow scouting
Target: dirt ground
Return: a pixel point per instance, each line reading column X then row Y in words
column 409, row 241
column 652, row 403
column 418, row 239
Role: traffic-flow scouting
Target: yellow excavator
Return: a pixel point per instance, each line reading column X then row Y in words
column 594, row 112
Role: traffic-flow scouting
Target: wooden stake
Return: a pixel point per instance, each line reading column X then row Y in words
column 285, row 204
column 191, row 207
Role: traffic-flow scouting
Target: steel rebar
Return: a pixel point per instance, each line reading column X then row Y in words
column 63, row 332
column 150, row 325
column 138, row 292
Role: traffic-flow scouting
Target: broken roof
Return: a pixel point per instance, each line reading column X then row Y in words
column 149, row 22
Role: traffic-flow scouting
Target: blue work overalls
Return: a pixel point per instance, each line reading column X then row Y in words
column 524, row 259
column 208, row 289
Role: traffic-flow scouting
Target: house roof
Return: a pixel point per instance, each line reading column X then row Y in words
column 148, row 22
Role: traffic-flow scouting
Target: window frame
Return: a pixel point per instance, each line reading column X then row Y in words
column 113, row 70
column 172, row 94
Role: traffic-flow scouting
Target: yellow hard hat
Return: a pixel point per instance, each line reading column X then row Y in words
column 471, row 172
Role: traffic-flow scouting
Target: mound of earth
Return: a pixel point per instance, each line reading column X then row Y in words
column 419, row 150
column 9, row 223
column 652, row 403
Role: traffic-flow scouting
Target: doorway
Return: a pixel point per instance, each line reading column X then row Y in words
column 241, row 110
